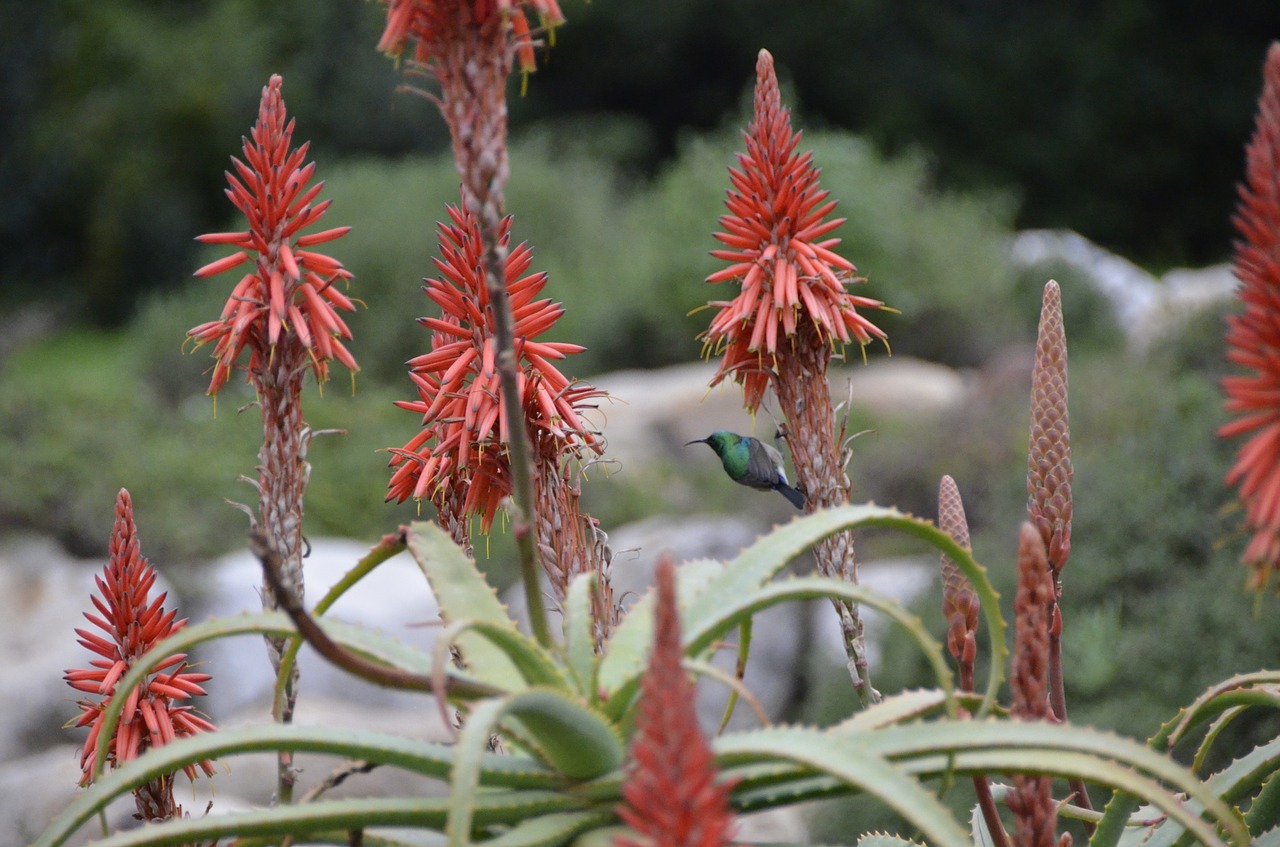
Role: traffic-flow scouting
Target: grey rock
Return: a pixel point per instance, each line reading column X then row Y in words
column 1147, row 308
column 394, row 599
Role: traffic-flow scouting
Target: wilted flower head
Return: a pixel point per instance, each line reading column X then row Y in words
column 464, row 429
column 289, row 289
column 130, row 622
column 671, row 795
column 1253, row 338
column 432, row 24
column 793, row 286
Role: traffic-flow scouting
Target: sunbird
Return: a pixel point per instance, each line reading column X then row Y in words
column 751, row 462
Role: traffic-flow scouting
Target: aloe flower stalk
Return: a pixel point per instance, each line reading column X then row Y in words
column 1032, row 803
column 1049, row 471
column 1049, row 476
column 468, row 47
column 1253, row 338
column 672, row 797
column 960, row 605
column 459, row 460
column 960, row 608
column 128, row 623
column 285, row 312
column 792, row 311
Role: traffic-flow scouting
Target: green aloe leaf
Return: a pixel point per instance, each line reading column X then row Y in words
column 880, row 839
column 579, row 634
column 463, row 594
column 368, row 643
column 330, row 817
column 852, row 763
column 416, row 756
column 1048, row 748
column 733, row 609
column 768, row 556
column 534, row 665
column 629, row 646
column 552, row 830
column 571, row 739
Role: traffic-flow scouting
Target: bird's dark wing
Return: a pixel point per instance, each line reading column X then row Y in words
column 764, row 466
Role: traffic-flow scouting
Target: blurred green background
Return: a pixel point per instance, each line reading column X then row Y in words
column 942, row 128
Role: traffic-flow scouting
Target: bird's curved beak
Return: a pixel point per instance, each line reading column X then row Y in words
column 696, row 441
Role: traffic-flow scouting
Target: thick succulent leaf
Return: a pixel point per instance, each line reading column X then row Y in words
column 733, row 609
column 629, row 646
column 978, row 829
column 369, row 643
column 768, row 556
column 896, row 708
column 852, row 763
column 535, row 665
column 552, row 830
column 572, row 739
column 327, row 818
column 880, row 839
column 1233, row 784
column 579, row 633
column 1261, row 688
column 1270, row 838
column 463, row 594
column 421, row 757
column 1063, row 750
column 1257, row 688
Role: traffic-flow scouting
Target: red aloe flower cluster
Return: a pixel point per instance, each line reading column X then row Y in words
column 1253, row 338
column 289, row 287
column 430, row 24
column 777, row 235
column 458, row 460
column 129, row 622
column 672, row 796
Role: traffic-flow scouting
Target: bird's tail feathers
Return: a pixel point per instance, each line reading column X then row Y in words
column 797, row 499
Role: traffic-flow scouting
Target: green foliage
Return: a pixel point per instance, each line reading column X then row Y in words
column 564, row 777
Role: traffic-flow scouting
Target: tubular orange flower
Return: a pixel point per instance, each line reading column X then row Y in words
column 432, row 23
column 672, row 796
column 460, row 450
column 290, row 289
column 131, row 622
column 1253, row 338
column 792, row 284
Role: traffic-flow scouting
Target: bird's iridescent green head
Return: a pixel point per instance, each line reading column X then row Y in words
column 719, row 441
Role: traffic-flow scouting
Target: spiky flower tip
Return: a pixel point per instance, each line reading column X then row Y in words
column 291, row 290
column 671, row 795
column 1049, row 470
column 462, row 445
column 129, row 622
column 432, row 24
column 960, row 605
column 793, row 286
column 1253, row 337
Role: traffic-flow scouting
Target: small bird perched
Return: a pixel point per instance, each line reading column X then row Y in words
column 751, row 462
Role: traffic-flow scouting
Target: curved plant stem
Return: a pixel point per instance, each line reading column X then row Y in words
column 375, row 672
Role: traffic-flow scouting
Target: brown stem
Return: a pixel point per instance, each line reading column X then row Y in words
column 375, row 672
column 804, row 398
column 1058, row 703
column 990, row 814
